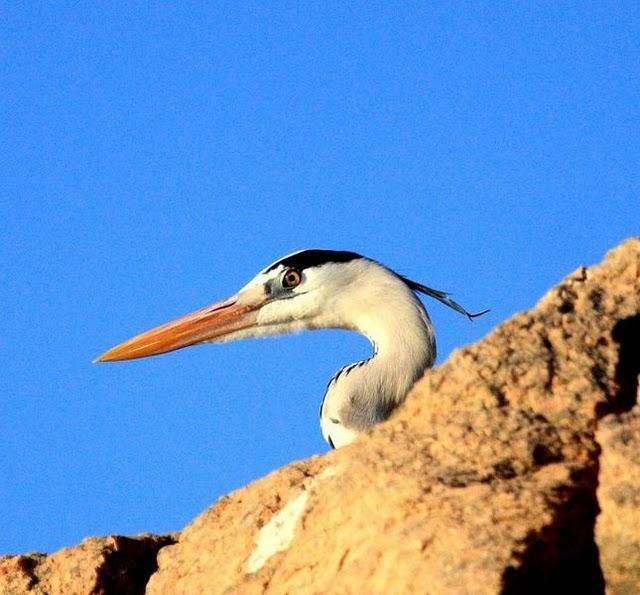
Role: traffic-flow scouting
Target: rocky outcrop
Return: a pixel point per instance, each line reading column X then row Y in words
column 512, row 468
column 618, row 526
column 98, row 566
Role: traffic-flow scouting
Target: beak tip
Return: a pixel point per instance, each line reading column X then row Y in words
column 104, row 357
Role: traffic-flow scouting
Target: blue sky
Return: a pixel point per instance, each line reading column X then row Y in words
column 156, row 156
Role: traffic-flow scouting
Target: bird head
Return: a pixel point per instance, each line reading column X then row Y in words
column 297, row 292
column 310, row 289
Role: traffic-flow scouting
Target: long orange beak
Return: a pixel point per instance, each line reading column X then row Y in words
column 236, row 313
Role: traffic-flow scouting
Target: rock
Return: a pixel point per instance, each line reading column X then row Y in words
column 489, row 479
column 98, row 566
column 618, row 526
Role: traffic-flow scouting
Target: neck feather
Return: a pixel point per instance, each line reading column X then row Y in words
column 365, row 393
column 404, row 346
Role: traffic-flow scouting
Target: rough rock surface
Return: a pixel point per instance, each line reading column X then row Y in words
column 489, row 480
column 618, row 526
column 98, row 566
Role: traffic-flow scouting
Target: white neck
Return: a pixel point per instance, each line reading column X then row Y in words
column 365, row 393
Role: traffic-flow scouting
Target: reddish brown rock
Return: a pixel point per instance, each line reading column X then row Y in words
column 618, row 526
column 98, row 566
column 486, row 481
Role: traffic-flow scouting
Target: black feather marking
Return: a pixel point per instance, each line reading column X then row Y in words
column 441, row 296
column 313, row 258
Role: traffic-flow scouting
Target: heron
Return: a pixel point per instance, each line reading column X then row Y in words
column 322, row 289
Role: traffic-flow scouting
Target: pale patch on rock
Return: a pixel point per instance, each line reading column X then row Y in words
column 277, row 535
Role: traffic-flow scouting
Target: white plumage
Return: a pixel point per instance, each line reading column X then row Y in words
column 319, row 289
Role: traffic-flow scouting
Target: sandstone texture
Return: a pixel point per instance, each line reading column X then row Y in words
column 512, row 468
column 618, row 526
column 98, row 566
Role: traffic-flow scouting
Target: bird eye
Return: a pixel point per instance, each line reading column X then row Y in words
column 292, row 278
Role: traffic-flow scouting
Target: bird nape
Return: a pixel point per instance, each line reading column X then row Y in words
column 319, row 289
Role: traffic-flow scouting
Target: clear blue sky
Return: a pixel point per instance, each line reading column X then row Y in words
column 154, row 157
